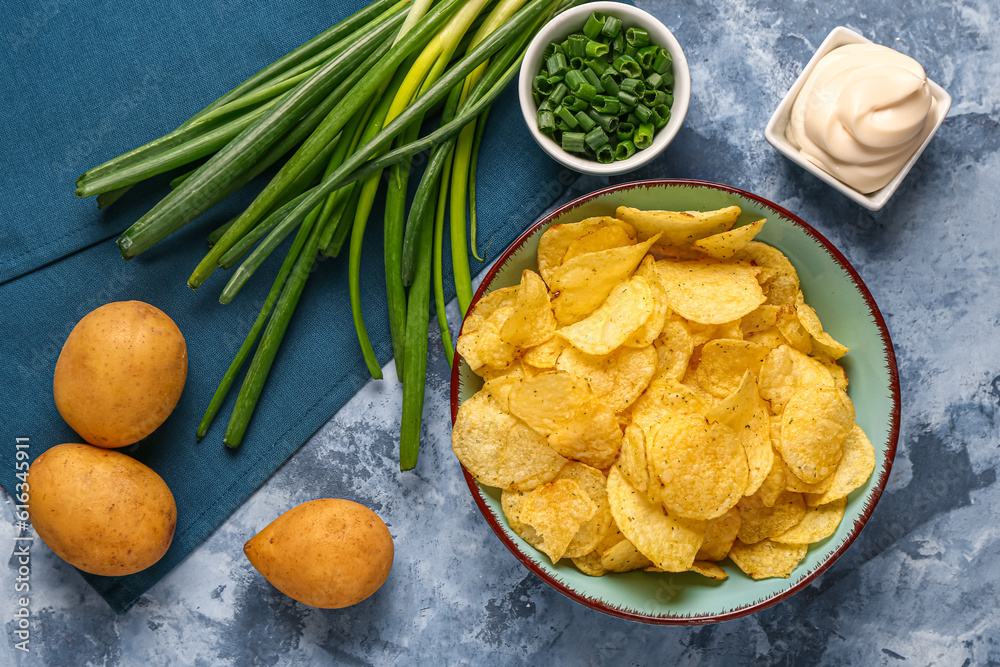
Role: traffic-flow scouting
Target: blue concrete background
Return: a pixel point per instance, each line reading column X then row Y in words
column 921, row 584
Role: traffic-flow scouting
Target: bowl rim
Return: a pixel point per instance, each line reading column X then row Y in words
column 774, row 131
column 662, row 139
column 870, row 504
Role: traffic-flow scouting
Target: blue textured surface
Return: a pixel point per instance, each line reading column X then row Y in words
column 920, row 584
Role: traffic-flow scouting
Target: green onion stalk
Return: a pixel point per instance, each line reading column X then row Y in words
column 335, row 113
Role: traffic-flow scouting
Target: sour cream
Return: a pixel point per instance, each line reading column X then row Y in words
column 862, row 113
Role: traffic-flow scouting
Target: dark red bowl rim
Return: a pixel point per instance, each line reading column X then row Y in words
column 859, row 524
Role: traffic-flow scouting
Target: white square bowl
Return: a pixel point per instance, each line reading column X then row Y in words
column 775, row 130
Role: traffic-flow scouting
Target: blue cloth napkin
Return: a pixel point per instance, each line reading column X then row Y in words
column 88, row 80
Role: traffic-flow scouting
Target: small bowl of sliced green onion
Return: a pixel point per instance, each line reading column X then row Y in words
column 604, row 88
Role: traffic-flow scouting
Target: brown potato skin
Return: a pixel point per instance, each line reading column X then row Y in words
column 100, row 510
column 120, row 373
column 328, row 553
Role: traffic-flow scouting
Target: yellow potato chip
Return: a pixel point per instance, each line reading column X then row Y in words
column 555, row 240
column 774, row 483
column 700, row 333
column 531, row 321
column 710, row 291
column 782, row 281
column 670, row 543
column 653, row 326
column 837, row 371
column 745, row 413
column 793, row 483
column 627, row 307
column 701, row 468
column 513, row 370
column 810, row 321
column 732, row 330
column 853, row 470
column 723, row 362
column 674, row 347
column 663, row 399
column 762, row 319
column 759, row 522
column 498, row 389
column 480, row 343
column 819, row 523
column 792, row 330
column 550, row 401
column 708, row 569
column 678, row 228
column 727, row 244
column 556, row 511
column 592, row 531
column 785, row 371
column 602, row 238
column 618, row 378
column 624, row 557
column 584, row 282
column 814, row 425
column 590, row 564
column 545, row 355
column 720, row 533
column 767, row 559
column 632, row 458
column 769, row 338
column 595, row 439
column 499, row 449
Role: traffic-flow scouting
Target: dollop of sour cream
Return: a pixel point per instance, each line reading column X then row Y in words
column 861, row 114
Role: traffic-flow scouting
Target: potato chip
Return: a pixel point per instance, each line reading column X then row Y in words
column 853, row 470
column 732, row 330
column 783, row 282
column 670, row 543
column 709, row 291
column 720, row 533
column 531, row 321
column 590, row 564
column 513, row 370
column 498, row 389
column 584, row 282
column 617, row 379
column 545, row 355
column 663, row 399
column 819, row 523
column 774, row 483
column 785, row 371
column 554, row 242
column 562, row 406
column 632, row 458
column 758, row 522
column 595, row 439
column 745, row 413
column 594, row 484
column 700, row 333
column 762, row 319
column 701, row 467
column 810, row 321
column 624, row 557
column 602, row 238
column 722, row 364
column 499, row 449
column 678, row 228
column 627, row 307
column 769, row 338
column 480, row 343
column 674, row 347
column 653, row 326
column 837, row 371
column 707, row 569
column 767, row 559
column 726, row 244
column 793, row 483
column 556, row 511
column 814, row 425
column 792, row 330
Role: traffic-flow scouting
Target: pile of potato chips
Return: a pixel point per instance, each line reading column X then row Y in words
column 660, row 396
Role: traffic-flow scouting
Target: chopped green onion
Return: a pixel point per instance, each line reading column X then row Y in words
column 628, row 66
column 606, row 104
column 625, row 150
column 596, row 49
column 633, row 86
column 644, row 136
column 585, row 121
column 605, row 154
column 557, row 64
column 654, row 80
column 546, row 121
column 595, row 24
column 609, row 83
column 567, row 117
column 628, row 100
column 612, row 26
column 575, row 46
column 608, row 123
column 625, row 131
column 596, row 138
column 662, row 62
column 573, row 103
column 637, row 37
column 558, row 93
column 574, row 141
column 541, row 85
column 593, row 80
column 643, row 112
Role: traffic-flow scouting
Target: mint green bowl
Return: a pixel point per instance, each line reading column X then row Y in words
column 832, row 286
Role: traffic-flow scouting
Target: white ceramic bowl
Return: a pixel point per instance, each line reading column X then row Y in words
column 572, row 21
column 775, row 130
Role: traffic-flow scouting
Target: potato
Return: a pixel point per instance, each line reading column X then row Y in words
column 100, row 510
column 328, row 553
column 120, row 373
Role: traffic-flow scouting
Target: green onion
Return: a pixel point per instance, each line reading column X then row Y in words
column 662, row 62
column 585, row 121
column 637, row 37
column 605, row 154
column 644, row 136
column 594, row 26
column 596, row 49
column 612, row 26
column 596, row 138
column 606, row 105
column 574, row 142
column 628, row 66
column 625, row 150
